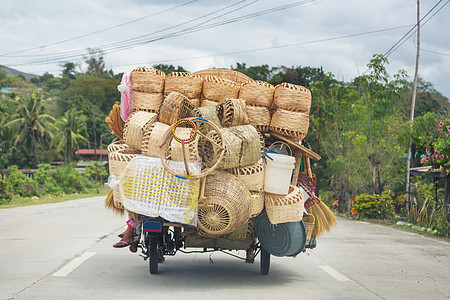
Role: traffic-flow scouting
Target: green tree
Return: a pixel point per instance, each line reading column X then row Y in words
column 169, row 68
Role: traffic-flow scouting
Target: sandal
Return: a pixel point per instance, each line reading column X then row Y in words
column 121, row 244
column 121, row 234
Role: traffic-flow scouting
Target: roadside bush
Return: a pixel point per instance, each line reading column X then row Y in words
column 19, row 184
column 373, row 206
column 71, row 181
column 5, row 192
column 46, row 181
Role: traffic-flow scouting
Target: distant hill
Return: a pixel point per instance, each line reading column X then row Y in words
column 13, row 72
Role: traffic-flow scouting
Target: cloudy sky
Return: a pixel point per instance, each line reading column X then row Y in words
column 341, row 36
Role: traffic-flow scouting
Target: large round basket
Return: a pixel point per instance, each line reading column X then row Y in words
column 174, row 107
column 217, row 88
column 259, row 117
column 257, row 93
column 252, row 176
column 208, row 113
column 257, row 203
column 285, row 239
column 152, row 139
column 232, row 75
column 135, row 126
column 185, row 83
column 291, row 124
column 288, row 208
column 292, row 97
column 226, row 206
column 118, row 160
column 116, row 146
column 232, row 112
column 147, row 80
column 147, row 101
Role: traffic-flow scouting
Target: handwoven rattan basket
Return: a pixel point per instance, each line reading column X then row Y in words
column 217, row 88
column 252, row 144
column 232, row 112
column 232, row 75
column 147, row 101
column 118, row 160
column 309, row 221
column 292, row 97
column 152, row 139
column 135, row 126
column 206, row 103
column 195, row 103
column 244, row 232
column 285, row 208
column 174, row 107
column 208, row 113
column 185, row 83
column 117, row 145
column 147, row 80
column 226, row 206
column 290, row 123
column 257, row 93
column 259, row 117
column 252, row 176
column 176, row 148
column 257, row 203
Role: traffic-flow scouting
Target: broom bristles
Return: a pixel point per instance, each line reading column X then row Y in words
column 325, row 219
column 331, row 219
column 109, row 204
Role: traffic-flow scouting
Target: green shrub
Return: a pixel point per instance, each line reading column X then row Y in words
column 374, row 206
column 71, row 181
column 5, row 192
column 19, row 184
column 46, row 181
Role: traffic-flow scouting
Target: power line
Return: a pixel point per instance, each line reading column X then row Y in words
column 98, row 31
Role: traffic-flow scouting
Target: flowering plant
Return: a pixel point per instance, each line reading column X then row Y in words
column 437, row 151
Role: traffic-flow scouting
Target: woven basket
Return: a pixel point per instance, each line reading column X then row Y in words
column 176, row 148
column 226, row 206
column 152, row 139
column 232, row 112
column 257, row 203
column 309, row 221
column 147, row 80
column 147, row 101
column 116, row 146
column 185, row 83
column 292, row 97
column 290, row 123
column 217, row 88
column 232, row 75
column 284, row 209
column 174, row 107
column 135, row 126
column 118, row 160
column 252, row 176
column 259, row 117
column 208, row 113
column 206, row 103
column 243, row 147
column 195, row 103
column 244, row 232
column 257, row 93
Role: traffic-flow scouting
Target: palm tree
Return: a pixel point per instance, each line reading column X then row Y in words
column 70, row 129
column 30, row 122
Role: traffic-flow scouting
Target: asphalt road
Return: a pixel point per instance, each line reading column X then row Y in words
column 63, row 251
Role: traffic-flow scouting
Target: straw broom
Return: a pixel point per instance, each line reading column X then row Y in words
column 109, row 204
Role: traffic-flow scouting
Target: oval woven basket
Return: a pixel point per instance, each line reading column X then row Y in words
column 290, row 123
column 152, row 139
column 292, row 97
column 252, row 144
column 118, row 160
column 147, row 80
column 288, row 208
column 259, row 117
column 185, row 83
column 117, row 145
column 257, row 93
column 147, row 101
column 232, row 75
column 257, row 203
column 174, row 107
column 208, row 113
column 226, row 206
column 206, row 103
column 252, row 176
column 232, row 112
column 176, row 148
column 217, row 88
column 135, row 126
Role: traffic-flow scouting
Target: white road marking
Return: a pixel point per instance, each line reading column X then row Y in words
column 67, row 269
column 333, row 273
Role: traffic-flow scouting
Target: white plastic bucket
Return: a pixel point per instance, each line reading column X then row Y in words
column 278, row 173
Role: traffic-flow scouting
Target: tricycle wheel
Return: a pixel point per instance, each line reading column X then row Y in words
column 153, row 255
column 264, row 261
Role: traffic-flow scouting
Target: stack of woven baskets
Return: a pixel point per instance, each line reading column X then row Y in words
column 244, row 110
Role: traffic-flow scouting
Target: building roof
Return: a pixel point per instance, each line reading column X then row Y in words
column 91, row 152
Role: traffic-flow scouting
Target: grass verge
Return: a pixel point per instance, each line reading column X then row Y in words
column 19, row 201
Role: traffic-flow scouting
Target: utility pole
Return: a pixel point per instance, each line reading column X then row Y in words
column 413, row 104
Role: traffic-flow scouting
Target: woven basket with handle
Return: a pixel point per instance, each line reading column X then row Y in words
column 147, row 80
column 284, row 209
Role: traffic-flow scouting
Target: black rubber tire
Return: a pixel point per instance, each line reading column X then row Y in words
column 153, row 255
column 264, row 261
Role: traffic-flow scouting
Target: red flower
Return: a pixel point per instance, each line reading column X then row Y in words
column 354, row 212
column 335, row 202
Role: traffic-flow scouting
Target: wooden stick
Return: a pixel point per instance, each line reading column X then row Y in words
column 186, row 166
